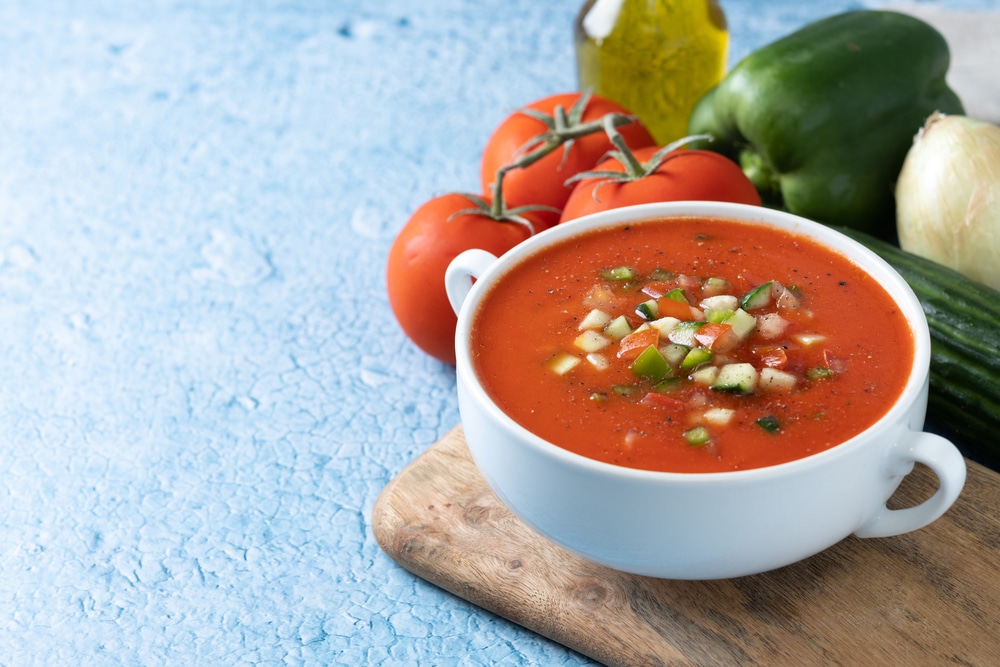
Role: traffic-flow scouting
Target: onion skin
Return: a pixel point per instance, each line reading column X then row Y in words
column 948, row 196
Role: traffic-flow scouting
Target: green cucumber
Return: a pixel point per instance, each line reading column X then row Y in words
column 964, row 320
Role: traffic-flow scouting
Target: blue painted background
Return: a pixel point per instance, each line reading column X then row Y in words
column 202, row 388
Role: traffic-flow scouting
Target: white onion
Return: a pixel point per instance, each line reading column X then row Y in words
column 948, row 196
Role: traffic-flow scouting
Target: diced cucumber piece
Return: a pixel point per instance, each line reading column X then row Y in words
column 662, row 275
column 647, row 310
column 674, row 353
column 776, row 380
column 664, row 325
column 739, row 378
column 650, row 364
column 626, row 390
column 618, row 328
column 705, row 376
column 595, row 319
column 743, row 323
column 698, row 356
column 697, row 436
column 758, row 297
column 683, row 333
column 563, row 363
column 715, row 286
column 591, row 341
column 809, row 340
column 599, row 361
column 619, row 274
column 718, row 416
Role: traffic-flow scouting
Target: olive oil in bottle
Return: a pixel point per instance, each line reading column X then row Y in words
column 656, row 58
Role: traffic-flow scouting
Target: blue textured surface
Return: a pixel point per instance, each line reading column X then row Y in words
column 203, row 389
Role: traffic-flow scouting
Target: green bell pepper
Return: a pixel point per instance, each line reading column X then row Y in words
column 822, row 119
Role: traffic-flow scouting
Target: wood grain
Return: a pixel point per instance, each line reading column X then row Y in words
column 931, row 597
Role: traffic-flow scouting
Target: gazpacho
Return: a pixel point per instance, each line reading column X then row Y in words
column 691, row 345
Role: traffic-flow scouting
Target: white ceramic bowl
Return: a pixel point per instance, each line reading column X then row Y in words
column 706, row 525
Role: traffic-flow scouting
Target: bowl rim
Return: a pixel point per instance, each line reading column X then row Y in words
column 864, row 258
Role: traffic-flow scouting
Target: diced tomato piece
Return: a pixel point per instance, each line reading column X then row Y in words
column 663, row 401
column 632, row 345
column 657, row 288
column 667, row 307
column 717, row 337
column 772, row 356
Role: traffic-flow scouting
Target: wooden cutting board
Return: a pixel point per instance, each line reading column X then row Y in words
column 926, row 598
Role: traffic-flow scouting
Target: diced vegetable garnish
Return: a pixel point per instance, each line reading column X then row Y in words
column 563, row 363
column 696, row 357
column 697, row 436
column 650, row 364
column 819, row 373
column 683, row 333
column 715, row 286
column 808, row 340
column 772, row 325
column 631, row 345
column 619, row 274
column 668, row 306
column 592, row 341
column 769, row 423
column 758, row 297
column 618, row 328
column 705, row 376
column 595, row 319
column 647, row 310
column 720, row 302
column 718, row 417
column 599, row 361
column 739, row 378
column 773, row 379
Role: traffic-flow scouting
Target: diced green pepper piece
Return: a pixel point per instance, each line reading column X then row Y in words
column 676, row 294
column 717, row 315
column 819, row 373
column 650, row 364
column 619, row 274
column 769, row 423
column 668, row 385
column 675, row 353
column 697, row 436
column 662, row 275
column 696, row 357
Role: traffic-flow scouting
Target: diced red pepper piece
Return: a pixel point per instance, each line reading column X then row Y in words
column 717, row 337
column 667, row 307
column 663, row 401
column 657, row 288
column 632, row 345
column 772, row 356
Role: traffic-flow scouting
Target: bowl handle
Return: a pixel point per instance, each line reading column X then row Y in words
column 942, row 457
column 462, row 272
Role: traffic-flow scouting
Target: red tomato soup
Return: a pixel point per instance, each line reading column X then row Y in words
column 691, row 345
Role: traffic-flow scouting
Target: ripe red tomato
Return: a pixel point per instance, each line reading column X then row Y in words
column 683, row 175
column 419, row 257
column 543, row 183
